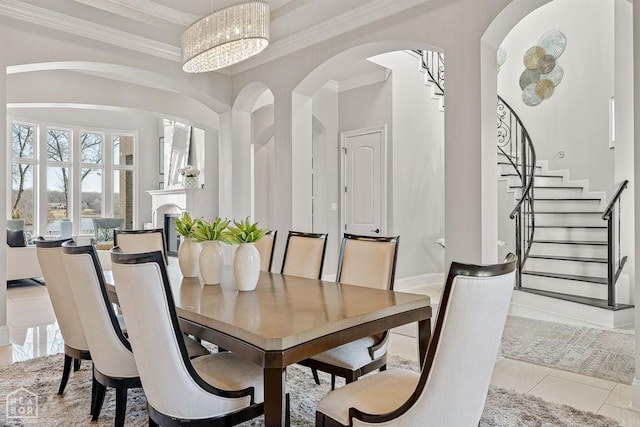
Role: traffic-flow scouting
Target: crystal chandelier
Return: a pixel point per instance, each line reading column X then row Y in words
column 226, row 37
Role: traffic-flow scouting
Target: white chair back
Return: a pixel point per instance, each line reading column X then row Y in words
column 368, row 261
column 59, row 289
column 140, row 241
column 265, row 249
column 110, row 350
column 304, row 255
column 170, row 382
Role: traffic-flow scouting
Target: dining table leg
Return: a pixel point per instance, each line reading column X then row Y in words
column 424, row 335
column 275, row 413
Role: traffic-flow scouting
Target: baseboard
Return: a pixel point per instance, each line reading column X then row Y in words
column 407, row 283
column 4, row 335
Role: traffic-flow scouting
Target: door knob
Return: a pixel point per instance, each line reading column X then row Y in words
column 377, row 230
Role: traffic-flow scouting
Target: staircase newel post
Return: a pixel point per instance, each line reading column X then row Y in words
column 519, row 249
column 611, row 294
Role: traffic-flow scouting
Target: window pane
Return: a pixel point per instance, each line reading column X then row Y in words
column 22, row 206
column 123, row 197
column 58, row 145
column 57, row 198
column 23, row 140
column 90, row 198
column 122, row 150
column 91, row 147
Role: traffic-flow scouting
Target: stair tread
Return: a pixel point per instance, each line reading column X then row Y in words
column 572, row 242
column 571, row 187
column 594, row 302
column 590, row 279
column 565, row 199
column 597, row 227
column 536, row 175
column 570, row 258
column 564, row 213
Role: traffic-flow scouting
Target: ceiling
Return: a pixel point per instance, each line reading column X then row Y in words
column 155, row 26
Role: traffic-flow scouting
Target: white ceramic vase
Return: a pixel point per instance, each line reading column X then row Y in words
column 189, row 182
column 211, row 262
column 246, row 267
column 188, row 256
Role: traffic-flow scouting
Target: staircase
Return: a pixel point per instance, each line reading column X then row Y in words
column 566, row 271
column 567, row 238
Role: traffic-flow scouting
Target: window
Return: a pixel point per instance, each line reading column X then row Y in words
column 22, row 169
column 65, row 173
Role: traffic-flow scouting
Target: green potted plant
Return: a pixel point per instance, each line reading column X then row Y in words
column 246, row 259
column 189, row 250
column 211, row 259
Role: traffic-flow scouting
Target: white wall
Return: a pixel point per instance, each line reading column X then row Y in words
column 575, row 119
column 418, row 167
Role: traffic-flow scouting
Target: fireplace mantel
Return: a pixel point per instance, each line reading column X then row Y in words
column 196, row 201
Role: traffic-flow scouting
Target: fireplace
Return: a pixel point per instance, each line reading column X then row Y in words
column 170, row 234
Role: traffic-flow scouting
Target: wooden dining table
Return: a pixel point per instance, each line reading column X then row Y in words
column 287, row 319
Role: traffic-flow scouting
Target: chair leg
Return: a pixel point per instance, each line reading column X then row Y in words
column 333, row 382
column 76, row 364
column 94, row 391
column 287, row 411
column 383, row 368
column 121, row 405
column 97, row 405
column 314, row 371
column 152, row 423
column 65, row 373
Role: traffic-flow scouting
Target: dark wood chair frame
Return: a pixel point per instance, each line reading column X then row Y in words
column 273, row 233
column 309, row 236
column 153, row 230
column 457, row 269
column 156, row 417
column 71, row 355
column 100, row 380
column 380, row 363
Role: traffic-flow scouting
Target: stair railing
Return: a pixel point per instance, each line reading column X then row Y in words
column 613, row 270
column 515, row 144
column 432, row 63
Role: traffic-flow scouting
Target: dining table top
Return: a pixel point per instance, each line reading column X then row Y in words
column 283, row 311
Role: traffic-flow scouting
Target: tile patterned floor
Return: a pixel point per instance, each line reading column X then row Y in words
column 34, row 333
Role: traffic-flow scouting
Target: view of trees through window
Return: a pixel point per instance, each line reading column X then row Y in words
column 63, row 174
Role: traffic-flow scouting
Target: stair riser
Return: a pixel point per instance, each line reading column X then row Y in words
column 552, row 193
column 514, row 181
column 575, row 220
column 578, row 268
column 589, row 251
column 572, row 287
column 570, row 234
column 566, row 205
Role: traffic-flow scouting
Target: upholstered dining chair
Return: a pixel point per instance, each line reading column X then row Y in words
column 304, row 254
column 113, row 362
column 364, row 261
column 219, row 389
column 137, row 241
column 452, row 388
column 265, row 249
column 76, row 349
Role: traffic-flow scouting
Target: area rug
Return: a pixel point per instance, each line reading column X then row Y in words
column 588, row 351
column 41, row 377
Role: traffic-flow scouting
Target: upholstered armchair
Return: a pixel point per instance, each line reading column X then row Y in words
column 265, row 248
column 364, row 261
column 452, row 388
column 218, row 389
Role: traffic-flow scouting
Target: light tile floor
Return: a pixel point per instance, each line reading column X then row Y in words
column 34, row 333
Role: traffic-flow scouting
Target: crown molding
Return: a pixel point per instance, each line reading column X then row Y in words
column 58, row 21
column 364, row 80
column 348, row 21
column 332, row 86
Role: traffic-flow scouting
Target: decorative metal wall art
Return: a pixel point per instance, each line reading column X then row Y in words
column 542, row 73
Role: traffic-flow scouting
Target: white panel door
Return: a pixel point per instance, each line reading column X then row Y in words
column 364, row 173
